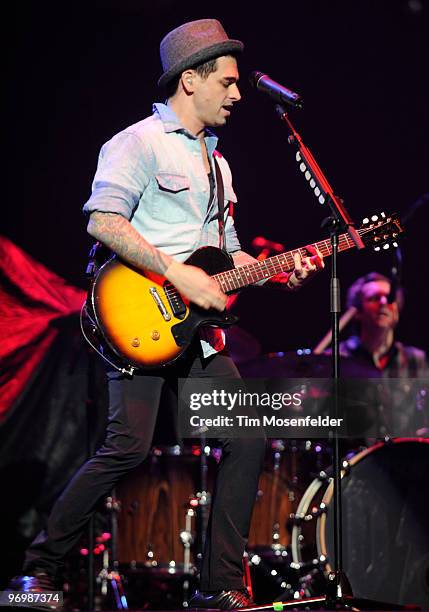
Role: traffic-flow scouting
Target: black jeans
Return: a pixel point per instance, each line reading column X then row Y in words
column 133, row 410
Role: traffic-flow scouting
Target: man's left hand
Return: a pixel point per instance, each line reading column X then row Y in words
column 305, row 269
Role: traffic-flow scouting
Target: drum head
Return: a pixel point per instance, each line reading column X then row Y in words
column 385, row 523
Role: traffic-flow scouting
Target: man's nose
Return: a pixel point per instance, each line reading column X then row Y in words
column 383, row 299
column 235, row 92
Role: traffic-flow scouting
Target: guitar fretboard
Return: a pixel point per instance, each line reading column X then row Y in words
column 240, row 277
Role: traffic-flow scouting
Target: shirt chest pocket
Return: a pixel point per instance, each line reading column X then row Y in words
column 171, row 197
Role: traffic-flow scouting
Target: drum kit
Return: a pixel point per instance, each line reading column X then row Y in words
column 165, row 502
column 164, row 506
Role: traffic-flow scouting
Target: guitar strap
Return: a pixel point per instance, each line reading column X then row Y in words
column 221, row 206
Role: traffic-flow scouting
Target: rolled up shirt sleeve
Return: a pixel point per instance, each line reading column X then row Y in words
column 122, row 176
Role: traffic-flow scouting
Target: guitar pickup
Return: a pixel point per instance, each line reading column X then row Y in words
column 162, row 309
column 174, row 298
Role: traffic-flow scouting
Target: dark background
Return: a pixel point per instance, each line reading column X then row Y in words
column 82, row 72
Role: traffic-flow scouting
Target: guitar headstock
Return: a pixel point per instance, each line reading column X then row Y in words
column 381, row 231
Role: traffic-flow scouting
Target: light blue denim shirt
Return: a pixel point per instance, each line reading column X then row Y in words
column 153, row 174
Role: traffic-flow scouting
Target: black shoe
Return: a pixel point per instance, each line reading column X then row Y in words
column 36, row 584
column 221, row 600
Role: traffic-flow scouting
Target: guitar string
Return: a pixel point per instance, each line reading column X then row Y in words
column 253, row 271
column 233, row 279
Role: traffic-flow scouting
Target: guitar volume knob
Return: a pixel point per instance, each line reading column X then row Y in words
column 155, row 335
column 135, row 342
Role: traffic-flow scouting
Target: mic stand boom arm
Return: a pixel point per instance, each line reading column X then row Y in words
column 319, row 182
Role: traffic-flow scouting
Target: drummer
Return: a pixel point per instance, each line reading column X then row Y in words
column 373, row 352
column 373, row 349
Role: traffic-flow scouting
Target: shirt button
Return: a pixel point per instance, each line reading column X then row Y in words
column 196, row 153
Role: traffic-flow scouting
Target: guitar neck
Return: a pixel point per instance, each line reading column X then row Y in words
column 249, row 274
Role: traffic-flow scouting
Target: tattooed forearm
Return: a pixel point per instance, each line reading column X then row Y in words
column 118, row 234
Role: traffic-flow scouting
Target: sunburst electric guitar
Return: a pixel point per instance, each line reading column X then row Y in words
column 141, row 321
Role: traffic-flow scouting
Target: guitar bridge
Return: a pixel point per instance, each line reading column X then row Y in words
column 162, row 309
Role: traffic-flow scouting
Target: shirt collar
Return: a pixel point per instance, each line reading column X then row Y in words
column 171, row 123
column 355, row 346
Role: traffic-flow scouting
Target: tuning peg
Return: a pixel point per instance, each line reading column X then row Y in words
column 302, row 167
column 308, row 175
column 374, row 218
column 395, row 244
column 383, row 215
column 298, row 156
column 386, row 246
column 377, row 248
column 365, row 221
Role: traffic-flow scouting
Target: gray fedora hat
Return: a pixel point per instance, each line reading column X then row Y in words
column 194, row 43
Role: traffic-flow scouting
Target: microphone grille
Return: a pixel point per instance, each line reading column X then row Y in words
column 254, row 77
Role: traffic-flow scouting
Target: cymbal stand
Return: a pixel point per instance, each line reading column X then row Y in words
column 109, row 574
column 198, row 509
column 204, row 498
column 187, row 540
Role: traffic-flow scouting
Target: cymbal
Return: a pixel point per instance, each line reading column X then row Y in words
column 288, row 364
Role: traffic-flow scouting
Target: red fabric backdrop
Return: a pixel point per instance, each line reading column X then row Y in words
column 31, row 299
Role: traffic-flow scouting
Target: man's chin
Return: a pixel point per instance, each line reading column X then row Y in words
column 220, row 121
column 384, row 322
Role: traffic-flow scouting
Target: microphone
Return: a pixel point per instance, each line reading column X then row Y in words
column 281, row 94
column 393, row 290
column 262, row 243
column 395, row 277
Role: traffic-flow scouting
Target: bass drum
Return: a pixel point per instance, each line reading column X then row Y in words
column 385, row 524
column 282, row 483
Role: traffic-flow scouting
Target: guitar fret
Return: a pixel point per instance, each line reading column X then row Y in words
column 239, row 277
column 222, row 283
column 228, row 281
column 235, row 282
column 231, row 281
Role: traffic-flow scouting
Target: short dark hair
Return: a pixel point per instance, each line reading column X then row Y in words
column 355, row 292
column 203, row 70
column 207, row 68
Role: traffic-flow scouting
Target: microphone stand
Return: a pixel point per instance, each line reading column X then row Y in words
column 338, row 591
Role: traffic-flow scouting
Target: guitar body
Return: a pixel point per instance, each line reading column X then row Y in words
column 143, row 319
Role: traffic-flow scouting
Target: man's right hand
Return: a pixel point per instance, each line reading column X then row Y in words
column 197, row 286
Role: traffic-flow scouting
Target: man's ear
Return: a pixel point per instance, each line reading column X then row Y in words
column 397, row 314
column 188, row 80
